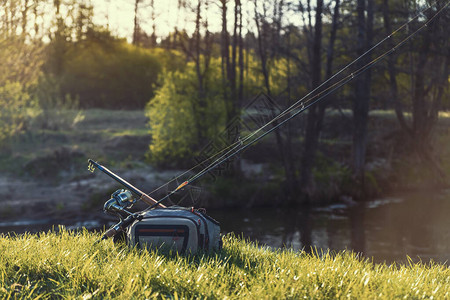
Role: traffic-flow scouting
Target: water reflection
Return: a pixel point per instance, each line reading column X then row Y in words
column 297, row 226
column 386, row 230
column 356, row 215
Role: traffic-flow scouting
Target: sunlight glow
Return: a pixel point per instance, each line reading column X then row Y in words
column 118, row 16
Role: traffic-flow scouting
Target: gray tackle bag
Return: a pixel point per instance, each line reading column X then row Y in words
column 175, row 228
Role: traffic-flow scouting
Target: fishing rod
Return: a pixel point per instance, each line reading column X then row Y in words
column 292, row 107
column 122, row 200
column 240, row 147
column 299, row 106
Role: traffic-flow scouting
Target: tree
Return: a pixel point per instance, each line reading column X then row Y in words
column 224, row 51
column 392, row 70
column 233, row 93
column 316, row 112
column 136, row 27
column 428, row 64
column 362, row 89
column 103, row 71
column 428, row 90
column 241, row 55
column 264, row 29
column 199, row 50
column 21, row 58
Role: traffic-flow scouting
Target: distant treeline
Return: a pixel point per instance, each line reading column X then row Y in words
column 193, row 85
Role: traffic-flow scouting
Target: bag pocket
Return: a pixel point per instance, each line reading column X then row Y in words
column 177, row 234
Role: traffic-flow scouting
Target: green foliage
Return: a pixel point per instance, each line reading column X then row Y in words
column 170, row 60
column 171, row 122
column 102, row 71
column 69, row 265
column 16, row 110
column 19, row 69
column 57, row 112
column 180, row 119
column 331, row 177
column 20, row 61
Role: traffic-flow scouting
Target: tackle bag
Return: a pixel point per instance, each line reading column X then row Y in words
column 185, row 230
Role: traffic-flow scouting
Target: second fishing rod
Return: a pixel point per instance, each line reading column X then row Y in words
column 305, row 101
column 298, row 107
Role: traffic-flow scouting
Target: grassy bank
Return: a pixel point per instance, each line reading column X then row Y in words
column 69, row 265
column 111, row 135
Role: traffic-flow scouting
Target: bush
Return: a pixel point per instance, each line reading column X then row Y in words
column 181, row 121
column 17, row 109
column 57, row 112
column 331, row 178
column 171, row 123
column 104, row 72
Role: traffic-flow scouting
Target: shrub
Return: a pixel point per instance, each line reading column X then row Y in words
column 181, row 120
column 171, row 122
column 57, row 112
column 17, row 109
column 109, row 73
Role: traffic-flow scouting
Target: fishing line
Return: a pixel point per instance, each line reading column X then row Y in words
column 310, row 102
column 234, row 148
column 301, row 104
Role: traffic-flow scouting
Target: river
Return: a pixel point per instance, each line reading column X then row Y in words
column 384, row 230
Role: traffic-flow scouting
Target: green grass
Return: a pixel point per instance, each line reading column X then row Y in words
column 70, row 265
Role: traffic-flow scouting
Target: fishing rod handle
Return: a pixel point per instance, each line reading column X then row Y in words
column 121, row 226
column 111, row 232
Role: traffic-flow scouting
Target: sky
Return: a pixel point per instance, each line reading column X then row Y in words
column 120, row 16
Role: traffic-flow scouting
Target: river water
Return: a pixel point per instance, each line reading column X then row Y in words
column 384, row 230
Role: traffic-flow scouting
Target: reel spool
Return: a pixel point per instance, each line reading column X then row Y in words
column 120, row 201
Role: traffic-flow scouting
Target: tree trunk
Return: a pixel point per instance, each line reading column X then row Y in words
column 25, row 17
column 153, row 17
column 136, row 28
column 262, row 50
column 362, row 92
column 201, row 132
column 330, row 50
column 315, row 113
column 225, row 60
column 391, row 62
column 425, row 114
column 232, row 74
column 241, row 59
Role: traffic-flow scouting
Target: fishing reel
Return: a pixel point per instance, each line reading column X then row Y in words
column 120, row 201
